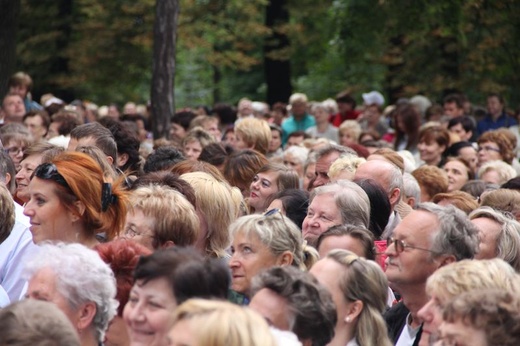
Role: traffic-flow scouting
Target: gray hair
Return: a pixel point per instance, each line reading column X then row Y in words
column 504, row 170
column 334, row 148
column 351, row 200
column 81, row 277
column 456, row 236
column 411, row 187
column 508, row 240
column 299, row 153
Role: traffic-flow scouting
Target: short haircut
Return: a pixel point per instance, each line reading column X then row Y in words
column 68, row 122
column 431, row 179
column 35, row 322
column 97, row 284
column 162, row 159
column 299, row 153
column 502, row 199
column 411, row 187
column 7, row 167
column 200, row 135
column 504, row 170
column 365, row 237
column 7, row 213
column 508, row 240
column 46, row 120
column 215, row 153
column 126, row 142
column 350, row 126
column 174, row 218
column 467, row 123
column 20, row 79
column 459, row 199
column 256, row 133
column 104, row 139
column 242, row 166
column 298, row 97
column 188, row 273
column 502, row 140
column 295, row 202
column 183, row 119
column 454, row 98
column 456, row 235
column 380, row 208
column 435, row 134
column 477, row 187
column 311, row 309
column 334, row 148
column 168, row 179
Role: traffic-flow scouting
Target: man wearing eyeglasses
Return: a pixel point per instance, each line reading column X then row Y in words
column 428, row 238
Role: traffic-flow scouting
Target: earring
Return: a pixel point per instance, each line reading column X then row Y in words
column 348, row 319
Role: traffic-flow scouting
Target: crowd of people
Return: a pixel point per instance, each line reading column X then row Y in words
column 308, row 223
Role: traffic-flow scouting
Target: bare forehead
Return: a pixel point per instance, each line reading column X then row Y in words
column 419, row 225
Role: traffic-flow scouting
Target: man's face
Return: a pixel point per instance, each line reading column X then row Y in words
column 13, row 108
column 322, row 168
column 459, row 130
column 299, row 108
column 273, row 307
column 35, row 126
column 414, row 264
column 494, row 106
column 451, row 109
column 294, row 140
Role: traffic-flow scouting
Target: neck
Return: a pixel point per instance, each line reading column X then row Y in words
column 343, row 333
column 322, row 127
column 414, row 298
column 434, row 162
column 87, row 338
column 79, row 235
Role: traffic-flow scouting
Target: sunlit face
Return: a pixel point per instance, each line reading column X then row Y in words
column 249, row 257
column 431, row 315
column 293, row 163
column 42, row 286
column 488, row 151
column 323, row 213
column 182, row 334
column 192, row 150
column 430, row 152
column 457, row 174
column 345, row 242
column 139, row 227
column 460, row 334
column 264, row 185
column 273, row 307
column 488, row 231
column 148, row 312
column 23, row 177
column 50, row 219
column 177, row 130
column 276, row 141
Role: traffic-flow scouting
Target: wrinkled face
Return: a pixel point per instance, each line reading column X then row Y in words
column 459, row 131
column 182, row 334
column 293, row 163
column 345, row 242
column 412, row 266
column 457, row 175
column 42, row 286
column 249, row 257
column 264, row 185
column 321, row 115
column 322, row 168
column 451, row 109
column 491, row 177
column 460, row 334
column 488, row 151
column 192, row 150
column 148, row 312
column 139, row 227
column 50, row 219
column 470, row 155
column 23, row 177
column 14, row 108
column 494, row 106
column 431, row 315
column 276, row 141
column 430, row 152
column 488, row 231
column 323, row 213
column 272, row 307
column 15, row 151
column 35, row 126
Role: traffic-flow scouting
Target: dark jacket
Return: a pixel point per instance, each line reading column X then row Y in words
column 395, row 319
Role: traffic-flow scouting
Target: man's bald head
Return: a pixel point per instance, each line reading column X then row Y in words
column 386, row 174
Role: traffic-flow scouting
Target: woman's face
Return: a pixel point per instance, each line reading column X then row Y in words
column 50, row 219
column 177, row 130
column 23, row 177
column 346, row 138
column 264, row 185
column 139, row 227
column 148, row 312
column 192, row 150
column 117, row 334
column 229, row 138
column 460, row 333
column 293, row 163
column 430, row 152
column 431, row 314
column 321, row 115
column 276, row 141
column 470, row 155
column 309, row 174
column 457, row 175
column 488, row 151
column 322, row 214
column 15, row 150
column 249, row 257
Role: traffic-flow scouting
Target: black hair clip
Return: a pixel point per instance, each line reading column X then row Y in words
column 107, row 197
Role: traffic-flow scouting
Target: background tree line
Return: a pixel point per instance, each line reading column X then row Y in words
column 226, row 49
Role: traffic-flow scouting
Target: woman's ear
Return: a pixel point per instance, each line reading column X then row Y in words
column 353, row 311
column 285, row 259
column 79, row 207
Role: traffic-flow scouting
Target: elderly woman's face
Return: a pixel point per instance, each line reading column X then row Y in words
column 293, row 163
column 139, row 227
column 249, row 257
column 488, row 231
column 50, row 219
column 488, row 151
column 323, row 213
column 23, row 177
column 42, row 286
column 15, row 150
column 148, row 312
column 457, row 174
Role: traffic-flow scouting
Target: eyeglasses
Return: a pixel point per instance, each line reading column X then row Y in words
column 488, row 148
column 13, row 150
column 400, row 246
column 49, row 171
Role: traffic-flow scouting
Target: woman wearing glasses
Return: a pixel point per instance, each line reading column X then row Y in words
column 69, row 201
column 264, row 241
column 359, row 289
column 496, row 145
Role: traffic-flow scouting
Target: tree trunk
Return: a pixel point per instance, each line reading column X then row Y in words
column 277, row 72
column 162, row 89
column 8, row 27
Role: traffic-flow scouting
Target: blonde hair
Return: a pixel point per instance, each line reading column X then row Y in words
column 504, row 170
column 466, row 275
column 502, row 199
column 352, row 127
column 348, row 163
column 174, row 218
column 219, row 323
column 364, row 280
column 255, row 133
column 200, row 135
column 216, row 203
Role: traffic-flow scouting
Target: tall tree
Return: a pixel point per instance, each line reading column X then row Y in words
column 8, row 29
column 162, row 90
